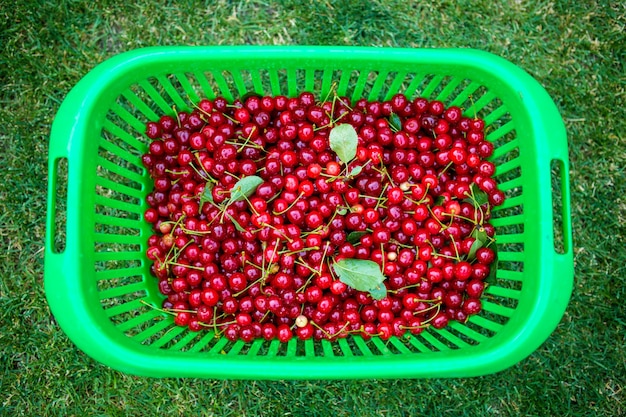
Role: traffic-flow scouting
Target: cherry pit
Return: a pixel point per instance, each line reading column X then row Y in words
column 307, row 218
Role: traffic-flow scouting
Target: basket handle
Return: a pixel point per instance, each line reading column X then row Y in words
column 56, row 222
column 58, row 177
column 554, row 153
column 554, row 160
column 560, row 202
column 58, row 216
column 563, row 259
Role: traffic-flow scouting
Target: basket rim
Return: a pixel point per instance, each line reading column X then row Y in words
column 63, row 272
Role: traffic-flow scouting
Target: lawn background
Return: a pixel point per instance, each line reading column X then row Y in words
column 576, row 49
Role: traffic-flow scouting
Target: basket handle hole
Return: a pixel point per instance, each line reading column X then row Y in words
column 60, row 178
column 560, row 220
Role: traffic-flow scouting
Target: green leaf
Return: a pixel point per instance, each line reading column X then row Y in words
column 439, row 200
column 395, row 122
column 362, row 275
column 493, row 268
column 344, row 140
column 481, row 237
column 245, row 187
column 379, row 292
column 235, row 223
column 342, row 211
column 207, row 194
column 354, row 237
column 475, row 246
column 480, row 197
column 355, row 171
column 480, row 234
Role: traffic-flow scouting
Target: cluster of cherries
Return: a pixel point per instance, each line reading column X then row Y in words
column 416, row 199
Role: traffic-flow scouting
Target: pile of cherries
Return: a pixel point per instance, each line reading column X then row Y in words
column 416, row 199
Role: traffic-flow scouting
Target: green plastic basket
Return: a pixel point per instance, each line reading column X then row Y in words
column 97, row 276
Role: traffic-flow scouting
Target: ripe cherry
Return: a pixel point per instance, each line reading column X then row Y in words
column 408, row 208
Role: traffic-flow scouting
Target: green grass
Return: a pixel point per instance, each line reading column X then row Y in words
column 576, row 49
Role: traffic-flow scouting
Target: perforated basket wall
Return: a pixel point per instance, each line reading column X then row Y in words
column 97, row 282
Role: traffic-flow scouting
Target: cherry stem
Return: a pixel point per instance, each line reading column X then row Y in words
column 374, row 198
column 280, row 231
column 293, row 252
column 330, row 336
column 343, row 102
column 245, row 143
column 176, row 113
column 458, row 258
column 332, row 121
column 304, row 264
column 402, row 245
column 210, row 178
column 477, row 206
column 304, row 286
column 173, row 247
column 314, row 324
column 383, row 171
column 269, row 265
column 254, row 265
column 443, row 226
column 250, row 204
column 471, row 97
column 332, row 90
column 230, row 118
column 442, row 255
column 414, row 327
column 237, row 294
column 474, row 222
column 428, row 320
column 215, row 320
column 444, row 169
column 322, row 261
column 169, row 171
column 404, row 288
column 194, row 232
column 162, row 310
column 197, row 268
column 290, row 206
column 421, row 199
column 232, row 175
